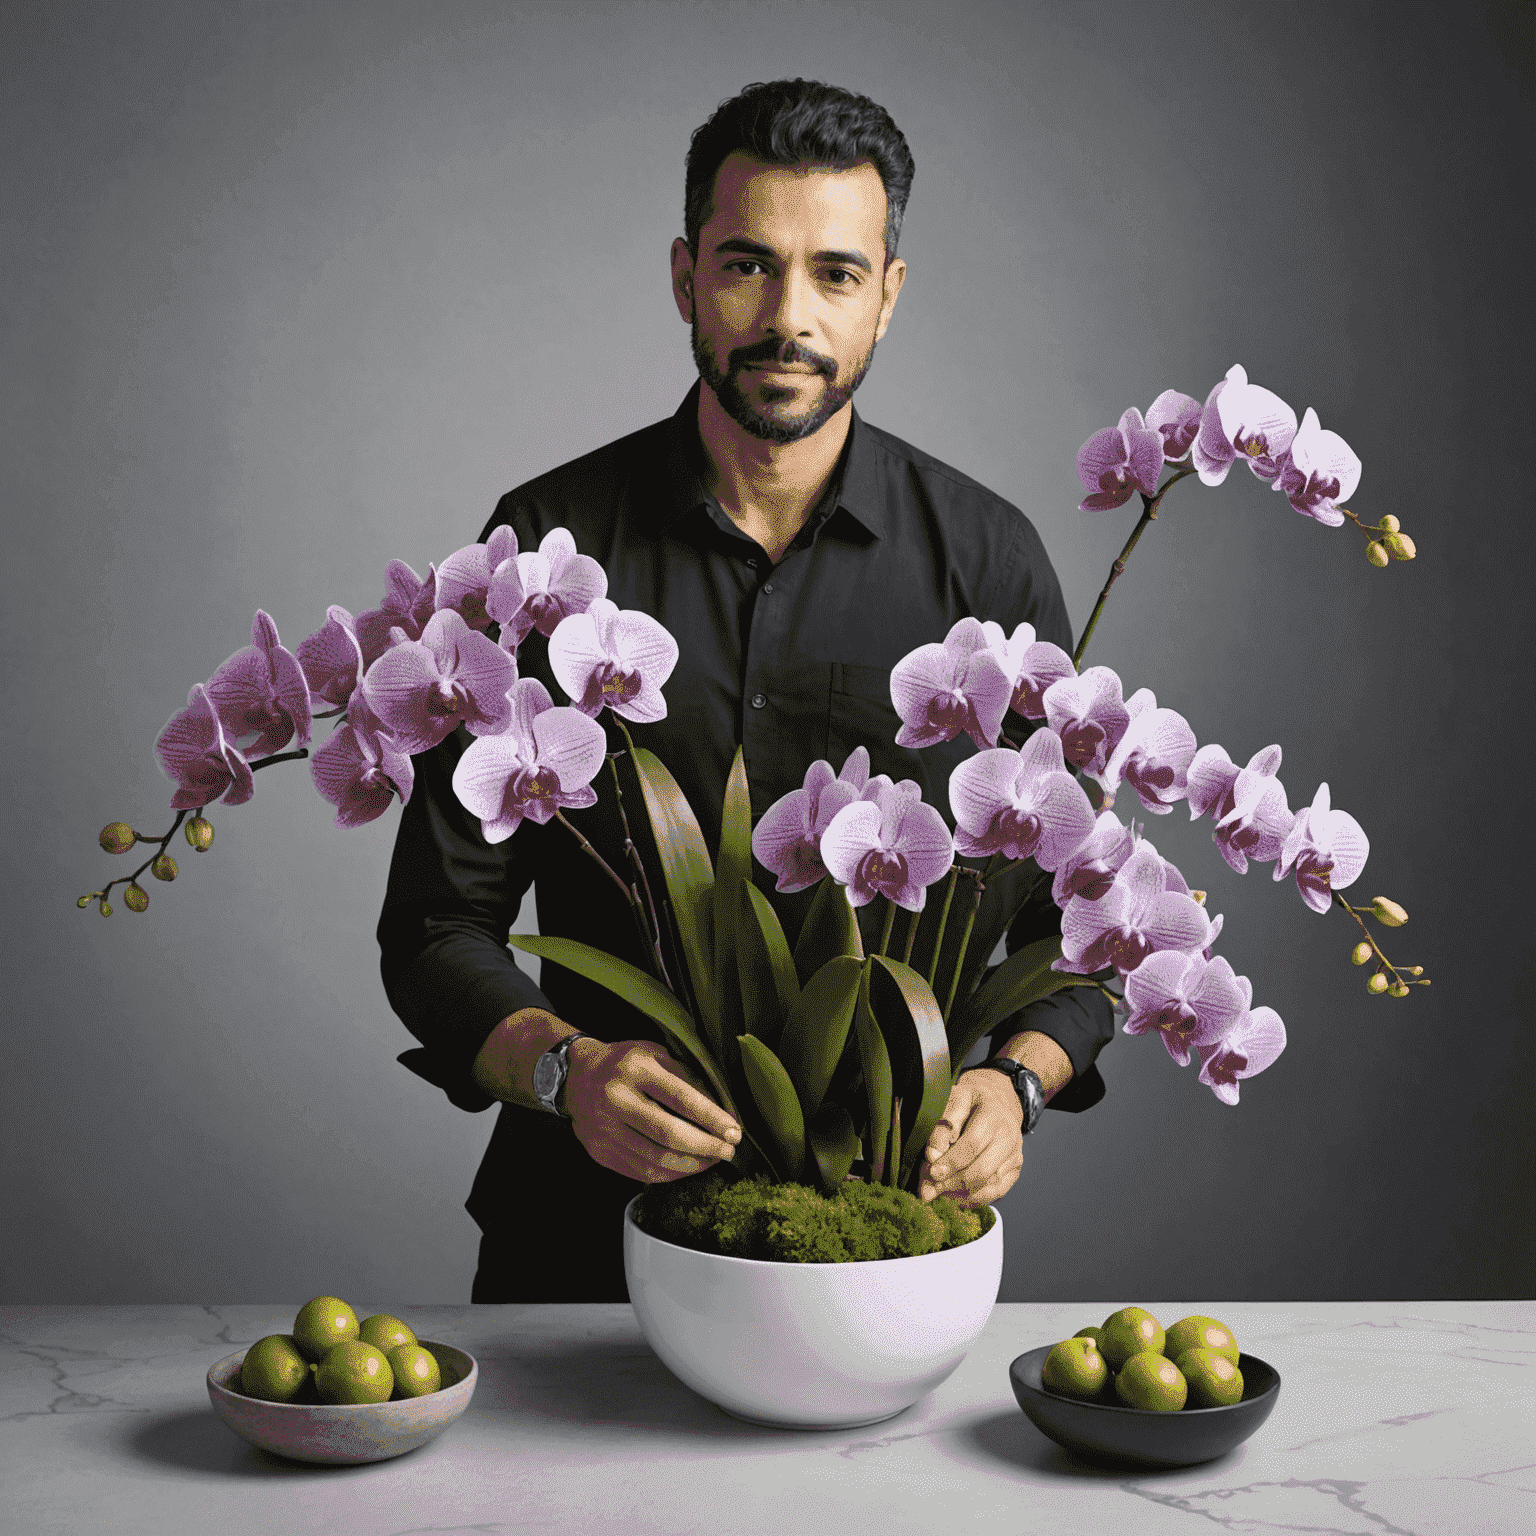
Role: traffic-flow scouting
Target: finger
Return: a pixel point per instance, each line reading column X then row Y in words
column 984, row 1182
column 627, row 1151
column 981, row 1132
column 663, row 1081
column 647, row 1116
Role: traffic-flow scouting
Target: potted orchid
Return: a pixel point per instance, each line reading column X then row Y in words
column 835, row 1055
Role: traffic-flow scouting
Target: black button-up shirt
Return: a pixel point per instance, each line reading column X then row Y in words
column 792, row 660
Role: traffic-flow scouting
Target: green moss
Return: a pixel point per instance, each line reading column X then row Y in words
column 752, row 1218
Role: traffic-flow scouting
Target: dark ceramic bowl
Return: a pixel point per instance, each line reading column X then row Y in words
column 1139, row 1437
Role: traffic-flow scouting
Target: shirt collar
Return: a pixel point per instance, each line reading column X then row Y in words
column 679, row 478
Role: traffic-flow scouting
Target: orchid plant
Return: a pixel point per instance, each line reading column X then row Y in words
column 830, row 1054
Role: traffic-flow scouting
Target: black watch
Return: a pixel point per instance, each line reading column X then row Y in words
column 1026, row 1084
column 549, row 1073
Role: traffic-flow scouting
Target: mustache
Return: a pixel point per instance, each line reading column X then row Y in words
column 788, row 354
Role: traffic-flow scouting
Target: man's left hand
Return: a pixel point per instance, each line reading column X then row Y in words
column 976, row 1151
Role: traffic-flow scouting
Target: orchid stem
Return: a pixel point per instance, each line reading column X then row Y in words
column 938, row 938
column 906, row 954
column 279, row 757
column 1386, row 965
column 965, row 939
column 1149, row 512
column 633, row 854
column 631, row 896
column 885, row 931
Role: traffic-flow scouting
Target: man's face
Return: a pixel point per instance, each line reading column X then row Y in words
column 789, row 294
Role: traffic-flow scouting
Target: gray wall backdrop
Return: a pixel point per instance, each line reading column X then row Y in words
column 291, row 290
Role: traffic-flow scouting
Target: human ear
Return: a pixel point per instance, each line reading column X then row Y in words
column 895, row 276
column 682, row 279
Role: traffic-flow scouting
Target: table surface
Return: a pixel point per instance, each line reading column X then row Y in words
column 1414, row 1418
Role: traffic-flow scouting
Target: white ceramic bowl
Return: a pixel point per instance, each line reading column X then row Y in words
column 811, row 1346
column 345, row 1434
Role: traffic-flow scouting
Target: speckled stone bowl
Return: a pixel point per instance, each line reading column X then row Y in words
column 1141, row 1437
column 345, row 1434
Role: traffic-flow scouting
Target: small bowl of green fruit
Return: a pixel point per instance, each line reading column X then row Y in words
column 1133, row 1394
column 339, row 1391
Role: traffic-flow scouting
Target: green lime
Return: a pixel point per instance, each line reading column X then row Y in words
column 1075, row 1368
column 385, row 1332
column 354, row 1372
column 325, row 1321
column 273, row 1369
column 1130, row 1331
column 1150, row 1380
column 1096, row 1334
column 416, row 1370
column 1200, row 1333
column 1213, row 1379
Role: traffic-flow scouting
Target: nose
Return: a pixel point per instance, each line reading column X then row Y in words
column 789, row 314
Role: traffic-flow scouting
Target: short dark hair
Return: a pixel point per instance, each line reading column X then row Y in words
column 798, row 122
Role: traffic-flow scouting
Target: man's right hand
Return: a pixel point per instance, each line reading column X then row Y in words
column 641, row 1113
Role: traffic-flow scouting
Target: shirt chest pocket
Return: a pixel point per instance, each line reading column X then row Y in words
column 860, row 713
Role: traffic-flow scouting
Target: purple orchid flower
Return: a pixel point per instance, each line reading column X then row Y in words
column 261, row 694
column 1089, row 714
column 359, row 769
column 962, row 685
column 1042, row 665
column 422, row 689
column 1325, row 849
column 615, row 657
column 1190, row 1001
column 894, row 846
column 543, row 762
column 1118, row 460
column 408, row 604
column 1241, row 420
column 194, row 751
column 332, row 660
column 787, row 840
column 1253, row 1044
column 1252, row 817
column 1135, row 917
column 464, row 579
column 1176, row 418
column 1153, row 756
column 1320, row 470
column 1023, row 804
column 1089, row 870
column 538, row 589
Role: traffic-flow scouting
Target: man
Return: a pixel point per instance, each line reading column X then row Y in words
column 796, row 553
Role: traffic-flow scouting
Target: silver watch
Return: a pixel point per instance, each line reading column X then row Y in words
column 549, row 1072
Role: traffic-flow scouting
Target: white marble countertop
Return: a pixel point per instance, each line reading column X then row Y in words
column 1409, row 1418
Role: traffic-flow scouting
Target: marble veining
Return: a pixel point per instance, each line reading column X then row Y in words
column 1394, row 1419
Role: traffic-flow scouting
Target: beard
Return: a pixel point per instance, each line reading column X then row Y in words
column 726, row 384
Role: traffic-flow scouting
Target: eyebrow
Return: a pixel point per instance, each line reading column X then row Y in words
column 753, row 248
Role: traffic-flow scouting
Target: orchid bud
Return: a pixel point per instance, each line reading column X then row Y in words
column 1399, row 546
column 164, row 867
column 106, row 909
column 1388, row 912
column 1377, row 983
column 117, row 837
column 1360, row 953
column 1398, row 989
column 1376, row 553
column 1389, row 524
column 200, row 833
column 136, row 897
column 84, row 901
column 1413, row 970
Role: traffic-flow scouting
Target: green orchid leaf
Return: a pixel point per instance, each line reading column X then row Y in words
column 913, row 1026
column 830, row 929
column 875, row 1065
column 690, row 881
column 733, row 869
column 1023, row 978
column 816, row 1031
column 769, row 986
column 893, row 1146
column 777, row 1103
column 641, row 991
column 834, row 1144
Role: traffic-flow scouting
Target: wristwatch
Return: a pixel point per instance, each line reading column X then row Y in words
column 1026, row 1084
column 549, row 1072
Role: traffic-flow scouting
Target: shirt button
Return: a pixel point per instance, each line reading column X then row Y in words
column 767, row 586
column 758, row 701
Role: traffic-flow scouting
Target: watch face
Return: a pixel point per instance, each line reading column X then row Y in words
column 546, row 1075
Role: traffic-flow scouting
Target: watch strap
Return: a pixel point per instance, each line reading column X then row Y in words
column 1026, row 1084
